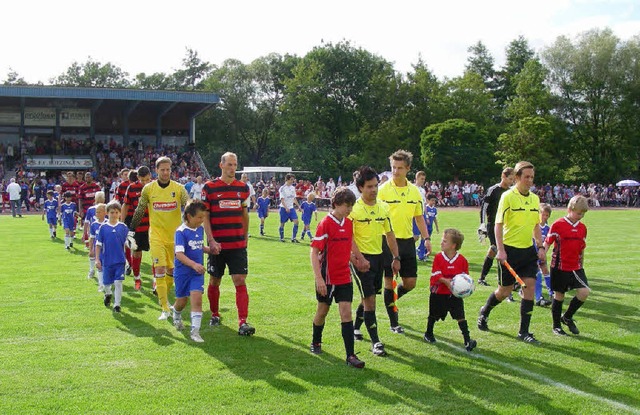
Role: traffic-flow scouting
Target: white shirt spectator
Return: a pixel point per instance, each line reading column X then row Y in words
column 14, row 190
column 354, row 189
column 196, row 191
column 330, row 187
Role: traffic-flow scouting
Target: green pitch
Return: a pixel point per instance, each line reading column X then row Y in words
column 62, row 351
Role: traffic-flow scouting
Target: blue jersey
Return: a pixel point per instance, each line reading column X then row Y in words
column 93, row 230
column 51, row 207
column 190, row 242
column 68, row 218
column 90, row 215
column 263, row 206
column 307, row 210
column 430, row 213
column 112, row 239
column 544, row 230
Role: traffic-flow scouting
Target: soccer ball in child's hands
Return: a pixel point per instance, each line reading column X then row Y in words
column 462, row 285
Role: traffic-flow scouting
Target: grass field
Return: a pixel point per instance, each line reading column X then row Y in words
column 62, row 351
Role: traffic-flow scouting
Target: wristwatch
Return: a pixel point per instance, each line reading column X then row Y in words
column 396, row 258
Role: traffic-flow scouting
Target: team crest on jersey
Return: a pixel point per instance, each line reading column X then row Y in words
column 173, row 194
column 229, row 204
column 165, row 206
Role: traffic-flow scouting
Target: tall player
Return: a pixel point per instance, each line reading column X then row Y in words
column 164, row 199
column 405, row 205
column 131, row 198
column 488, row 218
column 227, row 230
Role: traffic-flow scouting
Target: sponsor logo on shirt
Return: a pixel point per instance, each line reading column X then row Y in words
column 165, row 206
column 230, row 204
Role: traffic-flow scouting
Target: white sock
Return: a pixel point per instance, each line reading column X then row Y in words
column 66, row 241
column 177, row 315
column 118, row 296
column 92, row 266
column 100, row 284
column 50, row 231
column 107, row 289
column 196, row 320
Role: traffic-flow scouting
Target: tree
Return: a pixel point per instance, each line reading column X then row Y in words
column 192, row 74
column 157, row 81
column 481, row 62
column 336, row 93
column 13, row 78
column 518, row 53
column 588, row 79
column 93, row 74
column 457, row 149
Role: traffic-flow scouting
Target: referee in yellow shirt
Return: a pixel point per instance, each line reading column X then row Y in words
column 516, row 227
column 165, row 199
column 405, row 205
column 371, row 221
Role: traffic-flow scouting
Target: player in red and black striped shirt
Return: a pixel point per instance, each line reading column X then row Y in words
column 87, row 193
column 227, row 232
column 131, row 198
column 123, row 186
column 71, row 186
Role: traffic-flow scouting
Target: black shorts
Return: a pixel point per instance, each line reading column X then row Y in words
column 235, row 259
column 142, row 240
column 442, row 304
column 491, row 233
column 341, row 293
column 127, row 220
column 408, row 260
column 563, row 281
column 370, row 283
column 524, row 261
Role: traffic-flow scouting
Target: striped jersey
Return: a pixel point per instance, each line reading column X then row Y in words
column 122, row 190
column 131, row 199
column 87, row 196
column 226, row 204
column 71, row 188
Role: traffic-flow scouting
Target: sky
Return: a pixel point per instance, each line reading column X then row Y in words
column 41, row 39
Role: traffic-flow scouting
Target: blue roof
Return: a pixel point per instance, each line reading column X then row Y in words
column 39, row 91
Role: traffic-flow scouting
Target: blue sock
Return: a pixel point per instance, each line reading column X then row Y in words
column 538, row 286
column 422, row 250
column 547, row 282
column 295, row 231
column 282, row 232
column 309, row 233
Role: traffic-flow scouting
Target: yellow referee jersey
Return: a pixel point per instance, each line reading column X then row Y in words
column 405, row 203
column 370, row 223
column 519, row 215
column 165, row 209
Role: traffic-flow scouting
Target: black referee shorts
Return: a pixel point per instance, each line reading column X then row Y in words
column 524, row 261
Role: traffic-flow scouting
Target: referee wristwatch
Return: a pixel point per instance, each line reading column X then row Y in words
column 396, row 258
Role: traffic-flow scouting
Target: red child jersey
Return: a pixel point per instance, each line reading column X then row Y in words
column 88, row 195
column 131, row 198
column 447, row 268
column 570, row 242
column 226, row 205
column 333, row 239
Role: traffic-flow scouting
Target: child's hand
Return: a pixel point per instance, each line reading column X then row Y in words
column 98, row 264
column 199, row 268
column 321, row 287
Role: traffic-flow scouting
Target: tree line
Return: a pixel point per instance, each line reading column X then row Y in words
column 572, row 109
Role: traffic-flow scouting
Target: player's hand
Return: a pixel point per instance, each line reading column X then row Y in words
column 362, row 264
column 199, row 268
column 214, row 247
column 98, row 264
column 131, row 241
column 395, row 267
column 542, row 255
column 321, row 287
column 427, row 245
column 501, row 255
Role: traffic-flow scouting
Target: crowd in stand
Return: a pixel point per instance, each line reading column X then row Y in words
column 111, row 157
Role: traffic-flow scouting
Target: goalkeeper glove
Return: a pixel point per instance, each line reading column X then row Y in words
column 131, row 241
column 482, row 232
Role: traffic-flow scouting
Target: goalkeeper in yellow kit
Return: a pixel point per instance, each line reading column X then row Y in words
column 165, row 199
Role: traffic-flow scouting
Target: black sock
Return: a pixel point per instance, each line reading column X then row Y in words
column 359, row 317
column 556, row 312
column 401, row 290
column 574, row 305
column 317, row 333
column 372, row 325
column 464, row 328
column 486, row 267
column 492, row 301
column 431, row 321
column 390, row 306
column 347, row 337
column 526, row 309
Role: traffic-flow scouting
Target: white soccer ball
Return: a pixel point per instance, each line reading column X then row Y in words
column 462, row 285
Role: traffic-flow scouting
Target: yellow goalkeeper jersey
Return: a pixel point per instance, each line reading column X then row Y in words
column 165, row 209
